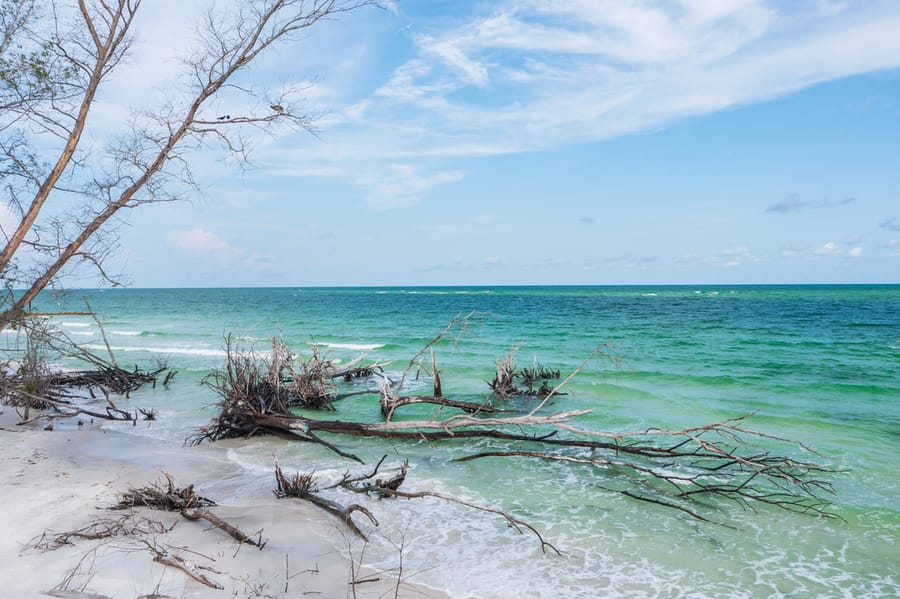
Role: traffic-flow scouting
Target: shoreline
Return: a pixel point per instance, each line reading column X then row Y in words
column 62, row 480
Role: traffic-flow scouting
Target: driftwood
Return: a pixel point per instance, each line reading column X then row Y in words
column 670, row 468
column 273, row 384
column 185, row 501
column 302, row 485
column 506, row 374
column 99, row 529
column 33, row 384
column 719, row 459
column 166, row 558
column 196, row 513
column 454, row 330
column 389, row 402
column 110, row 379
column 166, row 497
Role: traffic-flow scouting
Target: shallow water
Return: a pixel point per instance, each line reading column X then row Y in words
column 819, row 364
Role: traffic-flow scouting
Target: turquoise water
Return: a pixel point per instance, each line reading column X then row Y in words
column 820, row 364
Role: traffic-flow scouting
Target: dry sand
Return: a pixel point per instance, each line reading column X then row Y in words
column 62, row 480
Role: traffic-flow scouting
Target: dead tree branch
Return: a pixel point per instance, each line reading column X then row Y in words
column 303, row 487
column 670, row 468
column 454, row 330
column 189, row 504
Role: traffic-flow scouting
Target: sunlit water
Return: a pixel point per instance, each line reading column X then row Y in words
column 819, row 364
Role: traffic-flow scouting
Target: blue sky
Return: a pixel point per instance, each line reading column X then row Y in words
column 549, row 142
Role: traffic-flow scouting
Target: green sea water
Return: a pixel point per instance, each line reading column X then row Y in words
column 819, row 364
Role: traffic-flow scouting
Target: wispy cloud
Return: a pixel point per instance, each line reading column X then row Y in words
column 480, row 225
column 489, row 263
column 890, row 224
column 626, row 260
column 830, row 249
column 835, row 249
column 735, row 256
column 593, row 69
column 729, row 257
column 199, row 241
column 520, row 75
column 396, row 185
column 793, row 203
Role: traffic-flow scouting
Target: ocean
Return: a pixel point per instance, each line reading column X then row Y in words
column 816, row 364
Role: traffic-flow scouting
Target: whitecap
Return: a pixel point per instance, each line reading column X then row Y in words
column 187, row 351
column 356, row 346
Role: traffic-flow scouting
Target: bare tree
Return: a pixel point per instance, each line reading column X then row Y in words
column 56, row 57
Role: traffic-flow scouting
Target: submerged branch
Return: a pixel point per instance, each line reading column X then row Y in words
column 670, row 467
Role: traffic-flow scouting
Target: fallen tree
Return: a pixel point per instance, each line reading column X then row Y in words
column 670, row 468
column 34, row 383
column 276, row 383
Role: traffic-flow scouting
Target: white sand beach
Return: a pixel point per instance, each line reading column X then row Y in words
column 64, row 480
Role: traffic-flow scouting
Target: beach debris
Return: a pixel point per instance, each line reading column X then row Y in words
column 140, row 531
column 167, row 558
column 167, row 497
column 390, row 402
column 303, row 486
column 668, row 468
column 169, row 376
column 252, row 384
column 33, row 384
column 127, row 525
column 506, row 374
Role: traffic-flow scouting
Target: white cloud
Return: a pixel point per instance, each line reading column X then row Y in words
column 833, row 249
column 532, row 74
column 199, row 241
column 452, row 55
column 597, row 69
column 397, row 185
column 830, row 249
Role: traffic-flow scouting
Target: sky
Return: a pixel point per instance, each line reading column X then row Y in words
column 520, row 142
